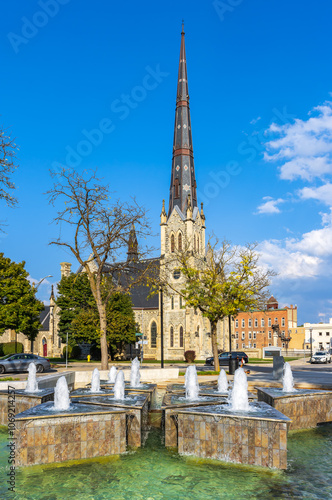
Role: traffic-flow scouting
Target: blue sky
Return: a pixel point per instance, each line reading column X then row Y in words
column 260, row 79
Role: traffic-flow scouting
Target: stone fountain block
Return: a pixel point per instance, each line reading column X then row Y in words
column 146, row 389
column 137, row 413
column 240, row 437
column 14, row 401
column 172, row 404
column 73, row 435
column 306, row 408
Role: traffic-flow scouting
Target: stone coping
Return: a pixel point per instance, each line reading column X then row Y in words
column 168, row 401
column 40, row 394
column 111, row 402
column 86, row 393
column 277, row 393
column 263, row 412
column 44, row 411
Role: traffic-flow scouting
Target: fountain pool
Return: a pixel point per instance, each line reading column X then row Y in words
column 163, row 474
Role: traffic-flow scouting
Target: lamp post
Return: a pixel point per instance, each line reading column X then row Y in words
column 310, row 331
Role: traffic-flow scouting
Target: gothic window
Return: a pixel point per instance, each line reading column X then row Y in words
column 172, row 303
column 154, row 334
column 180, row 242
column 176, row 188
column 181, row 336
column 180, row 302
column 172, row 243
column 171, row 337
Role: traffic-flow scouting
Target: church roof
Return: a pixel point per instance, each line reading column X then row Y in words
column 183, row 182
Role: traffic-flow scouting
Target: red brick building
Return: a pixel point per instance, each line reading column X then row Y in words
column 269, row 327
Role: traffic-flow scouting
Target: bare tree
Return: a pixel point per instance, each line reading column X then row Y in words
column 223, row 281
column 8, row 164
column 101, row 229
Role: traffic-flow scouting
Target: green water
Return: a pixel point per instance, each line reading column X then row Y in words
column 154, row 473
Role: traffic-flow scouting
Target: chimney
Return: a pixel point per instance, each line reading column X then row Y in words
column 65, row 269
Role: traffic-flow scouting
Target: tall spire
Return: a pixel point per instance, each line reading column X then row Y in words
column 183, row 182
column 132, row 253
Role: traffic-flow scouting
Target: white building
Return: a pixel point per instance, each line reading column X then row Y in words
column 321, row 334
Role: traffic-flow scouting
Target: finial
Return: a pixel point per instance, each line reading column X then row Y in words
column 52, row 292
column 182, row 32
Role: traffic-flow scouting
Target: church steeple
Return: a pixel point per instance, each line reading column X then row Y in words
column 183, row 182
column 132, row 254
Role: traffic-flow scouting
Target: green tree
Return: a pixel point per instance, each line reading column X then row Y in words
column 79, row 315
column 222, row 283
column 19, row 308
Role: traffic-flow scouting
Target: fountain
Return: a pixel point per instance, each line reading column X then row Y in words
column 112, row 375
column 222, row 381
column 287, row 379
column 61, row 395
column 95, row 381
column 134, row 373
column 32, row 384
column 238, row 398
column 305, row 407
column 119, row 386
column 191, row 383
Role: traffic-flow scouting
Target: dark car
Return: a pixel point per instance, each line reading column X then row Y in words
column 224, row 358
column 20, row 363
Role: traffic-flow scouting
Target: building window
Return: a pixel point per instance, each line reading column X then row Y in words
column 283, row 344
column 181, row 336
column 282, row 321
column 172, row 243
column 249, row 345
column 180, row 301
column 180, row 242
column 243, row 325
column 327, row 334
column 176, row 188
column 243, row 345
column 153, row 332
column 243, row 335
column 270, row 345
column 254, row 346
column 262, row 322
column 249, row 323
column 172, row 303
column 236, row 323
column 59, row 342
column 254, row 335
column 237, row 335
column 250, row 335
column 276, row 321
column 320, row 334
column 270, row 335
column 320, row 345
column 270, row 322
column 171, row 337
column 176, row 274
column 194, row 243
column 256, row 322
column 237, row 345
column 198, row 244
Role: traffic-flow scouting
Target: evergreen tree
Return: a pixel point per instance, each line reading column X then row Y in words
column 19, row 308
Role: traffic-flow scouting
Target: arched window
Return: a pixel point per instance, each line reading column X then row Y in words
column 172, row 243
column 171, row 337
column 153, row 334
column 181, row 336
column 172, row 303
column 180, row 302
column 180, row 242
column 176, row 188
column 198, row 244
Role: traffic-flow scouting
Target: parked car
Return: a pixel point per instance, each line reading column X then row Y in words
column 224, row 358
column 321, row 357
column 20, row 362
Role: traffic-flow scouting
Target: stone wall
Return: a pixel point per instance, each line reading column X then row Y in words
column 58, row 439
column 22, row 402
column 231, row 439
column 305, row 411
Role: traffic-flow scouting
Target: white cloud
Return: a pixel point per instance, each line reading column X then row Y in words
column 269, row 206
column 322, row 193
column 303, row 148
column 255, row 120
column 309, row 256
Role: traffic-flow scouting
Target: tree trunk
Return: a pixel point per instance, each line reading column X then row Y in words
column 214, row 345
column 103, row 339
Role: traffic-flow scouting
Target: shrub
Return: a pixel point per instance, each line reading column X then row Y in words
column 74, row 351
column 190, row 356
column 9, row 348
